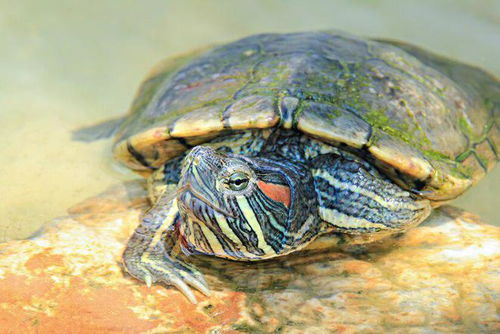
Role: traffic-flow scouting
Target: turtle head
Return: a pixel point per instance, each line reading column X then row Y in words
column 244, row 208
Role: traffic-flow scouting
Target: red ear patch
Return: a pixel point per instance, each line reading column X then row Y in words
column 276, row 192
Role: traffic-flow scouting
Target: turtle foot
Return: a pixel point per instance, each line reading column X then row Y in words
column 152, row 268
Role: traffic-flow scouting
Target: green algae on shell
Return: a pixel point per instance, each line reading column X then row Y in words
column 423, row 118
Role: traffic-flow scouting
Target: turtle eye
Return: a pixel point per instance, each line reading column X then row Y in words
column 238, row 181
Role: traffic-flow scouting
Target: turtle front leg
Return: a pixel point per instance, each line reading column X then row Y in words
column 149, row 255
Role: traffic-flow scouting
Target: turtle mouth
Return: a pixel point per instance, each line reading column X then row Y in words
column 197, row 179
column 197, row 196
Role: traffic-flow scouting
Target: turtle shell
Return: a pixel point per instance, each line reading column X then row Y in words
column 427, row 121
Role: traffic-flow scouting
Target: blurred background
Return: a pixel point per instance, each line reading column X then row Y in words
column 65, row 64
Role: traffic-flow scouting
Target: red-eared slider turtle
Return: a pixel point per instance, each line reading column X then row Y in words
column 256, row 147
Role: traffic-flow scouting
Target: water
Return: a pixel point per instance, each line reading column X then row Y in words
column 65, row 64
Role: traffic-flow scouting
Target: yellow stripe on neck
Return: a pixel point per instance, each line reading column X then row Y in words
column 348, row 222
column 254, row 224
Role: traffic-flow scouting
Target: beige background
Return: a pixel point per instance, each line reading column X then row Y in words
column 64, row 64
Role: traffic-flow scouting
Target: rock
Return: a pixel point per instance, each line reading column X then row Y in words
column 439, row 277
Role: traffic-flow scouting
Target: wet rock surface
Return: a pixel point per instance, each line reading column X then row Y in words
column 440, row 277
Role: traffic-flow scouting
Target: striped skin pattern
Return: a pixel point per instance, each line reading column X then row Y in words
column 297, row 188
column 269, row 217
column 269, row 195
column 357, row 199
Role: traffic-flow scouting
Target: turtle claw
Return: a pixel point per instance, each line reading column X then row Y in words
column 179, row 284
column 155, row 269
column 148, row 280
column 197, row 282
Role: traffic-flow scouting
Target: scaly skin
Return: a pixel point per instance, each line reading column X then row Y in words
column 269, row 204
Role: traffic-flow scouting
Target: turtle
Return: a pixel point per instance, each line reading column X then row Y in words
column 254, row 148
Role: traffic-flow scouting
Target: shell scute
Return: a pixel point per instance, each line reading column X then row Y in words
column 401, row 156
column 333, row 125
column 198, row 122
column 251, row 112
column 421, row 116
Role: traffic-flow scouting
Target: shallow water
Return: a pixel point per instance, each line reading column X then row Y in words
column 65, row 64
